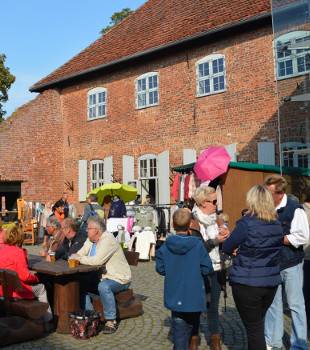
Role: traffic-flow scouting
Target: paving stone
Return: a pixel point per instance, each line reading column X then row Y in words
column 149, row 331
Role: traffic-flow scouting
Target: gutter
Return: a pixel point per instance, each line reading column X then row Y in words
column 44, row 86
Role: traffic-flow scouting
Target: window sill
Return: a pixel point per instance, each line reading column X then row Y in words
column 148, row 106
column 97, row 118
column 293, row 75
column 212, row 93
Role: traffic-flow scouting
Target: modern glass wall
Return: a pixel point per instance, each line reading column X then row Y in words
column 291, row 30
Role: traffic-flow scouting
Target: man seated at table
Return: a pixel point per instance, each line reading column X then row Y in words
column 73, row 241
column 102, row 248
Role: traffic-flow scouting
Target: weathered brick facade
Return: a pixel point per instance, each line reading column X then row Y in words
column 43, row 141
column 31, row 148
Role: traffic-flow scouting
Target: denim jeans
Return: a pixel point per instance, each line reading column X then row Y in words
column 292, row 283
column 213, row 308
column 106, row 289
column 307, row 289
column 183, row 324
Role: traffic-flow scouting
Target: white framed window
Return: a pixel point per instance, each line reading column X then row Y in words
column 292, row 54
column 147, row 92
column 295, row 154
column 147, row 166
column 210, row 75
column 96, row 173
column 97, row 103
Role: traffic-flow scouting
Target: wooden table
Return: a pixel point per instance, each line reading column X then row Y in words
column 66, row 286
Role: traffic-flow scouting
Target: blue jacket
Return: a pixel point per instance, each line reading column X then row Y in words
column 183, row 260
column 290, row 256
column 258, row 258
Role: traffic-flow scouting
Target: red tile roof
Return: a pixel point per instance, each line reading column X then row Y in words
column 154, row 24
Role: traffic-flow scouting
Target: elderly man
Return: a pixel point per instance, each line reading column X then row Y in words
column 73, row 241
column 296, row 229
column 101, row 248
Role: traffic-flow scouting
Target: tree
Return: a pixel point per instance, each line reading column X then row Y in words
column 6, row 80
column 116, row 18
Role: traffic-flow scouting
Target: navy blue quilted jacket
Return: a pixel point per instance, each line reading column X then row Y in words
column 258, row 258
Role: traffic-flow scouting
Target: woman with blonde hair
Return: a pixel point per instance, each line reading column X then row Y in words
column 255, row 274
column 13, row 257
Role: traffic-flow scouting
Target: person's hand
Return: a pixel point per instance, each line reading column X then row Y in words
column 223, row 234
column 48, row 258
column 42, row 253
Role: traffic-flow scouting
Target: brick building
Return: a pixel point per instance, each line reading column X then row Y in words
column 173, row 78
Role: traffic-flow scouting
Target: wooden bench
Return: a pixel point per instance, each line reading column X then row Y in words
column 30, row 309
column 22, row 319
column 127, row 304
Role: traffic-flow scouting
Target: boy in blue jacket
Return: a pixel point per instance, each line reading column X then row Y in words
column 183, row 260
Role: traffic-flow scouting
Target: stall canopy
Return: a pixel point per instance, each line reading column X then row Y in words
column 187, row 168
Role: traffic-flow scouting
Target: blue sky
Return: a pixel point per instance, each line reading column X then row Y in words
column 37, row 36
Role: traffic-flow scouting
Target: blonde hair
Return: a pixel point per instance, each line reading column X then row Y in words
column 202, row 194
column 13, row 235
column 182, row 219
column 260, row 203
column 278, row 181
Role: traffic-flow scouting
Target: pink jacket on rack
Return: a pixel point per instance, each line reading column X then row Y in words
column 175, row 190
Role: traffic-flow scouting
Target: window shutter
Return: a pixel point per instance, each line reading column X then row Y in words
column 108, row 169
column 232, row 151
column 189, row 156
column 82, row 180
column 128, row 169
column 266, row 153
column 163, row 178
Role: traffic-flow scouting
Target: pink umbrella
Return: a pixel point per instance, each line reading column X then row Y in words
column 212, row 163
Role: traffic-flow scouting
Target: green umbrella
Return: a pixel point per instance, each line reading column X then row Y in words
column 125, row 192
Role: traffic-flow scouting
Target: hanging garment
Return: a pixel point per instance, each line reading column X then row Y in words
column 176, row 187
column 181, row 197
column 219, row 198
column 186, row 187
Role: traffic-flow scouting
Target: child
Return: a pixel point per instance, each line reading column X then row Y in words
column 183, row 260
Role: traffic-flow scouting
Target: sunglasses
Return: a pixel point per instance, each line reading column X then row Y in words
column 213, row 202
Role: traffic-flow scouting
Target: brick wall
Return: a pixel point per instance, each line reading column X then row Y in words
column 31, row 148
column 243, row 114
column 44, row 140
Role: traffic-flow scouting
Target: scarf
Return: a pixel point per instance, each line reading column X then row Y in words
column 204, row 219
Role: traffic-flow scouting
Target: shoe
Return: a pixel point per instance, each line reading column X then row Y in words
column 110, row 327
column 215, row 342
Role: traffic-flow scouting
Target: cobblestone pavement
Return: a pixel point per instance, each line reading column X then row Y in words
column 149, row 331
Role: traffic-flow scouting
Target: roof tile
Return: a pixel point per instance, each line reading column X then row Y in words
column 156, row 23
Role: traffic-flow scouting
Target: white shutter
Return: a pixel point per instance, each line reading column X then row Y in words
column 232, row 151
column 189, row 155
column 128, row 169
column 266, row 153
column 108, row 170
column 163, row 178
column 82, row 180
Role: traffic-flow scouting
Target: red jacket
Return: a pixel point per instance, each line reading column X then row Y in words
column 14, row 258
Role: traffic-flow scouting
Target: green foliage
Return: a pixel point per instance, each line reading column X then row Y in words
column 6, row 80
column 116, row 18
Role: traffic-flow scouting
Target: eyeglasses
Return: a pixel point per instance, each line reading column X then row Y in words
column 213, row 202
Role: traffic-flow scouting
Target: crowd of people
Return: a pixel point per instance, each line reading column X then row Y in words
column 268, row 246
column 265, row 256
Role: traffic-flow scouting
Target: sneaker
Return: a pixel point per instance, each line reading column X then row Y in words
column 110, row 327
